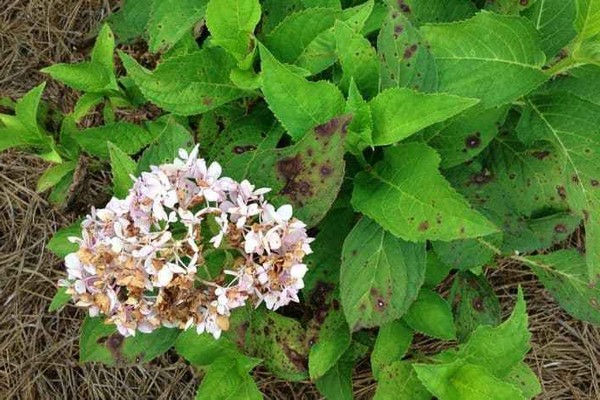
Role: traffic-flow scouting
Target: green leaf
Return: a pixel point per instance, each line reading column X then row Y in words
column 203, row 349
column 333, row 340
column 563, row 273
column 130, row 21
column 228, row 379
column 361, row 127
column 128, row 137
column 60, row 244
column 85, row 76
column 100, row 342
column 399, row 381
column 59, row 300
column 322, row 3
column 492, row 57
column 554, row 20
column 54, row 174
column 522, row 377
column 281, row 342
column 170, row 20
column 416, row 209
column 122, row 167
column 104, row 48
column 463, row 137
column 392, row 344
column 357, row 58
column 275, row 11
column 405, row 60
column 380, row 275
column 464, row 381
column 299, row 105
column 336, row 384
column 170, row 137
column 431, row 315
column 307, row 174
column 474, row 303
column 437, row 270
column 231, row 24
column 27, row 110
column 587, row 18
column 189, row 84
column 571, row 123
column 399, row 112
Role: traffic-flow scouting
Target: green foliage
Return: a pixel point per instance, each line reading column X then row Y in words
column 419, row 140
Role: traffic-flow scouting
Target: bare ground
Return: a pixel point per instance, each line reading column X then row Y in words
column 39, row 350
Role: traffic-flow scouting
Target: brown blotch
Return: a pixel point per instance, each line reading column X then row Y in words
column 523, row 2
column 330, row 127
column 410, row 51
column 472, row 142
column 403, row 7
column 398, row 29
column 586, row 215
column 478, row 304
column 481, row 178
column 540, row 155
column 325, row 170
column 207, row 101
column 574, row 178
column 423, row 226
column 594, row 182
column 560, row 228
column 562, row 192
column 243, row 149
column 310, row 152
column 300, row 362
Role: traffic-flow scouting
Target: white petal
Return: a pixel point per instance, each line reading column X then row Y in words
column 164, row 276
column 285, row 212
column 298, row 271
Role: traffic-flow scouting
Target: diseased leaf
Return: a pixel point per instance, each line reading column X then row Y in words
column 492, row 57
column 563, row 273
column 130, row 21
column 189, row 84
column 171, row 19
column 525, row 379
column 474, row 303
column 431, row 315
column 554, row 20
column 380, row 275
column 399, row 381
column 399, row 112
column 422, row 12
column 393, row 341
column 510, row 7
column 416, row 209
column 299, row 105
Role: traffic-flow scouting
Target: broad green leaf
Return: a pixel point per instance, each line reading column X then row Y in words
column 203, row 349
column 104, row 48
column 461, row 138
column 122, row 167
column 360, row 129
column 492, row 57
column 231, row 24
column 170, row 137
column 275, row 11
column 59, row 300
column 431, row 315
column 571, row 124
column 281, row 342
column 171, row 19
column 380, row 275
column 587, row 18
column 400, row 112
column 228, row 379
column 127, row 136
column 85, row 104
column 461, row 380
column 474, row 303
column 130, row 21
column 307, row 174
column 392, row 344
column 60, row 193
column 322, row 3
column 357, row 58
column 399, row 381
column 421, row 209
column 422, row 12
column 54, row 174
column 85, row 76
column 60, row 244
column 563, row 273
column 405, row 60
column 336, row 384
column 554, row 20
column 27, row 111
column 299, row 105
column 525, row 379
column 101, row 342
column 187, row 85
column 333, row 340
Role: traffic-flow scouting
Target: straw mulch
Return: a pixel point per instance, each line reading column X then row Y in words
column 39, row 350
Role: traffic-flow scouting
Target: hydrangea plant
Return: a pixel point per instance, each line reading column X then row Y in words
column 417, row 142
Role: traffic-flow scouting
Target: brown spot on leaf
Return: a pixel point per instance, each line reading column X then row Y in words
column 403, row 6
column 423, row 226
column 325, row 170
column 594, row 182
column 540, row 155
column 409, row 51
column 329, row 128
column 398, row 29
column 299, row 361
column 562, row 192
column 243, row 149
column 472, row 142
column 523, row 2
column 481, row 178
column 207, row 101
column 478, row 304
column 560, row 228
column 574, row 178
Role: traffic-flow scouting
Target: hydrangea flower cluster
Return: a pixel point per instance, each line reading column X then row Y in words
column 141, row 260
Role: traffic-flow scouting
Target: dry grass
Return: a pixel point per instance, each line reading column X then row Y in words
column 39, row 350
